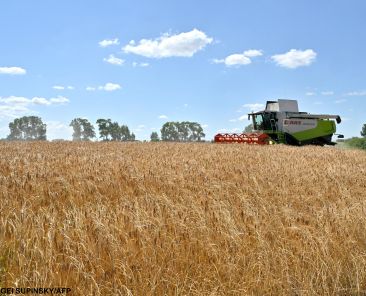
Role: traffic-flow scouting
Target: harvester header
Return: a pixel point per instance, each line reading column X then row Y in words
column 282, row 122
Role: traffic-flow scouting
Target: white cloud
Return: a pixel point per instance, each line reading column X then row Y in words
column 327, row 93
column 12, row 70
column 233, row 120
column 243, row 117
column 114, row 60
column 295, row 58
column 180, row 45
column 15, row 100
column 135, row 64
column 108, row 42
column 59, row 100
column 340, row 101
column 239, row 59
column 310, row 93
column 356, row 93
column 109, row 86
column 318, row 103
column 58, row 130
column 204, row 125
column 61, row 87
column 15, row 106
column 13, row 111
column 254, row 106
column 139, row 128
column 163, row 117
column 251, row 53
column 40, row 101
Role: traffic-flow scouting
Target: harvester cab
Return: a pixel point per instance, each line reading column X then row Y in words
column 281, row 122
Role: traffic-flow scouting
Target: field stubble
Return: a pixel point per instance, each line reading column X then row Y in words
column 182, row 219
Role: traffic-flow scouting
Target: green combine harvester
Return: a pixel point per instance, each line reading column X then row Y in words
column 281, row 122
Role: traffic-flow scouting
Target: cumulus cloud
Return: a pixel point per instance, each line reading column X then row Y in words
column 239, row 59
column 12, row 70
column 58, row 87
column 135, row 64
column 251, row 53
column 356, row 93
column 61, row 87
column 310, row 93
column 295, row 58
column 163, row 117
column 327, row 93
column 109, row 86
column 58, row 130
column 40, row 101
column 254, row 106
column 108, row 42
column 23, row 101
column 179, row 45
column 243, row 117
column 114, row 60
column 59, row 100
column 15, row 106
column 12, row 111
column 15, row 100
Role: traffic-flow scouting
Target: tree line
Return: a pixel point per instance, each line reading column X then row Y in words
column 32, row 128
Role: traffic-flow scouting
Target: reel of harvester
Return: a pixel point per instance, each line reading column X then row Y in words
column 248, row 138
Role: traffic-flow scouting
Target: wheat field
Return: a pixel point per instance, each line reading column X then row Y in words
column 183, row 219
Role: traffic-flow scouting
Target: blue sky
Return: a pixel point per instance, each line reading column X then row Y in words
column 143, row 63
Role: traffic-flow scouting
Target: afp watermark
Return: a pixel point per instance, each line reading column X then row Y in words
column 24, row 291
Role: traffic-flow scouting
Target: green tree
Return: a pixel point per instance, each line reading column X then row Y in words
column 248, row 128
column 363, row 131
column 115, row 131
column 126, row 135
column 170, row 131
column 83, row 130
column 76, row 125
column 104, row 128
column 27, row 128
column 88, row 132
column 154, row 137
column 184, row 131
column 196, row 132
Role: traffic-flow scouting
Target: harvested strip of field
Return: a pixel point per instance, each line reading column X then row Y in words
column 182, row 219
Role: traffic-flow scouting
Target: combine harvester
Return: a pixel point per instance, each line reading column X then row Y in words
column 281, row 122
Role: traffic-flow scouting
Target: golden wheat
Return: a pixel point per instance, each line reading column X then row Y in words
column 183, row 219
